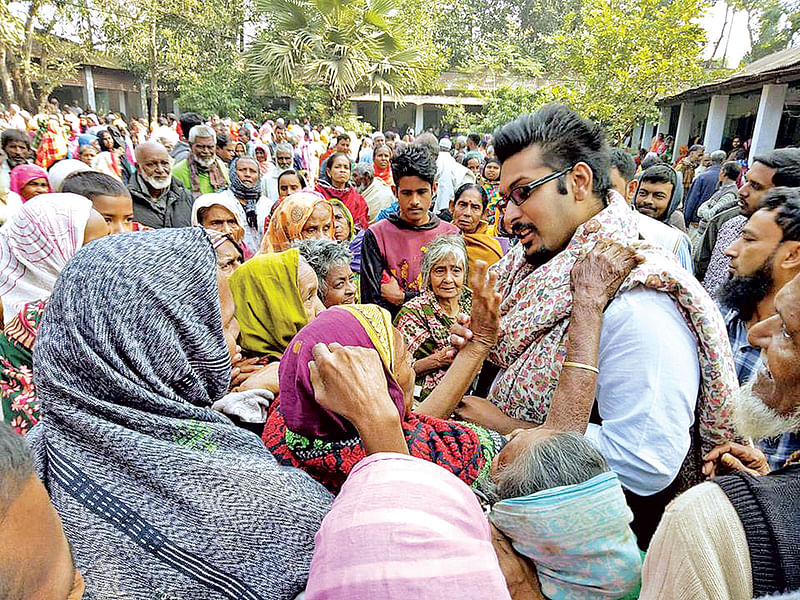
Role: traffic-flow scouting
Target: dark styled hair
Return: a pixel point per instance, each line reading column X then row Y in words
column 564, row 137
column 472, row 186
column 303, row 183
column 332, row 159
column 222, row 139
column 474, row 138
column 623, row 162
column 786, row 162
column 16, row 467
column 659, row 174
column 90, row 184
column 342, row 137
column 731, row 170
column 785, row 201
column 414, row 161
column 189, row 120
column 14, row 135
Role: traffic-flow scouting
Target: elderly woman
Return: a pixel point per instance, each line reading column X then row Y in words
column 35, row 245
column 344, row 229
column 28, row 181
column 331, row 262
column 221, row 212
column 159, row 494
column 301, row 216
column 229, row 253
column 426, row 319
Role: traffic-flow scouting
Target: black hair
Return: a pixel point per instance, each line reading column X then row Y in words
column 16, row 467
column 786, row 162
column 472, row 186
column 298, row 174
column 102, row 142
column 731, row 170
column 565, row 139
column 14, row 135
column 623, row 162
column 332, row 158
column 414, row 161
column 91, row 184
column 659, row 174
column 189, row 120
column 342, row 137
column 475, row 138
column 222, row 139
column 785, row 201
column 696, row 147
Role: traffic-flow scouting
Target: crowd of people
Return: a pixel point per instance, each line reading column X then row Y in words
column 284, row 361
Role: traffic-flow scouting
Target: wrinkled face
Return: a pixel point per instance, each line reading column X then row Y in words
column 87, row 154
column 247, row 171
column 414, row 195
column 33, row 188
column 167, row 143
column 758, row 181
column 288, row 185
column 220, row 219
column 230, row 326
column 518, row 442
column 96, row 227
column 653, row 199
column 16, row 153
column 760, row 237
column 319, row 225
column 226, row 153
column 339, row 171
column 117, row 212
column 778, row 384
column 341, row 225
column 382, row 157
column 447, row 278
column 340, row 286
column 474, row 165
column 154, row 163
column 307, row 284
column 34, row 547
column 547, row 220
column 467, row 210
column 284, row 158
column 228, row 258
column 203, row 149
column 492, row 171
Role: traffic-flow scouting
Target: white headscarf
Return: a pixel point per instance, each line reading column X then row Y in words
column 223, row 199
column 35, row 244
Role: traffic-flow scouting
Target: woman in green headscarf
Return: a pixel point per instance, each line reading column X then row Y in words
column 344, row 229
column 275, row 296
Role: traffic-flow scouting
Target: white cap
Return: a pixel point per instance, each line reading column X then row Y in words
column 445, row 143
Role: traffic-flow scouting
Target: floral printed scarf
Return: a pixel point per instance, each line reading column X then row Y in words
column 537, row 304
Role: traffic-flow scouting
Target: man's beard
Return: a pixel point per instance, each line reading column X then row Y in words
column 744, row 292
column 155, row 183
column 204, row 162
column 540, row 256
column 754, row 419
column 15, row 162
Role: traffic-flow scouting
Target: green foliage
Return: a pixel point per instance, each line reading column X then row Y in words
column 621, row 55
column 340, row 44
column 222, row 90
column 771, row 24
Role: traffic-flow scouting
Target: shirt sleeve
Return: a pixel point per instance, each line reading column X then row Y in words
column 684, row 254
column 699, row 551
column 646, row 391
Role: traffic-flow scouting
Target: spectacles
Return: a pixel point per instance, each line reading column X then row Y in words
column 521, row 193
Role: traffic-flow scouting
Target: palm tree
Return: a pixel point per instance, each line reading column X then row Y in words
column 340, row 44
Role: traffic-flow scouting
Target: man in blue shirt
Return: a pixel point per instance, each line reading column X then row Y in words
column 703, row 187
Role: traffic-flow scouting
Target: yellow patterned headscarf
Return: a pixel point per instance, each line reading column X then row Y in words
column 377, row 322
column 286, row 225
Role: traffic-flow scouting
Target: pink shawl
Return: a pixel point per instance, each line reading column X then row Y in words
column 21, row 175
column 535, row 312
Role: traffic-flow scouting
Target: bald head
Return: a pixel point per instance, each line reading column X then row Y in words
column 149, row 150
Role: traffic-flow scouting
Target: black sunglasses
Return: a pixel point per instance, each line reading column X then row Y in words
column 521, row 193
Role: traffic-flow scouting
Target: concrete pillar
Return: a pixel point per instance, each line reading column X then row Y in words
column 647, row 135
column 636, row 137
column 123, row 105
column 88, row 88
column 768, row 119
column 684, row 123
column 663, row 121
column 419, row 124
column 715, row 126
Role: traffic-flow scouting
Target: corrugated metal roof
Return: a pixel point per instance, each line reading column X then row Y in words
column 771, row 67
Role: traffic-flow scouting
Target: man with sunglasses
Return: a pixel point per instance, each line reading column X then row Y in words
column 622, row 368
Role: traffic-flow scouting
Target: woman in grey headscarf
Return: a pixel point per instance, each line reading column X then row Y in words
column 160, row 496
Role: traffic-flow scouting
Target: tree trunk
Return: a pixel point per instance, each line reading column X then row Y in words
column 26, row 91
column 5, row 78
column 719, row 39
column 153, row 75
column 380, row 109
